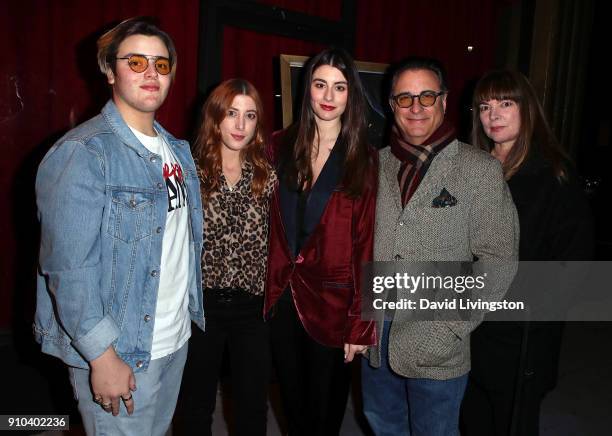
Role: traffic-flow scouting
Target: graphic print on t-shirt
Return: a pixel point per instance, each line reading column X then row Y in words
column 176, row 186
column 172, row 325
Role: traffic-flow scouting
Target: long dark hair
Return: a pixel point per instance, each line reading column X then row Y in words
column 208, row 142
column 352, row 135
column 534, row 134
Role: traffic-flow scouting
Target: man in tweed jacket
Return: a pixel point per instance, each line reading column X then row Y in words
column 438, row 200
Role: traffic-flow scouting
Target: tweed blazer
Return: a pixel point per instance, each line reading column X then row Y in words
column 483, row 225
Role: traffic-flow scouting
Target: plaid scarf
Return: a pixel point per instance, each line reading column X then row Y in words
column 416, row 159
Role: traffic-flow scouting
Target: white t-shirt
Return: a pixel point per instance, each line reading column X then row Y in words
column 172, row 326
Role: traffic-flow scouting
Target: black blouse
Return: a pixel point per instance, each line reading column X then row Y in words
column 301, row 210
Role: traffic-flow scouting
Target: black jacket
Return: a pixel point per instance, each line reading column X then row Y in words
column 555, row 224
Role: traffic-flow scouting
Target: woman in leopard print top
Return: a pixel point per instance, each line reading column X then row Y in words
column 236, row 182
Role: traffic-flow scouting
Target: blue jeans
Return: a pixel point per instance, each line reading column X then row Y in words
column 396, row 405
column 154, row 400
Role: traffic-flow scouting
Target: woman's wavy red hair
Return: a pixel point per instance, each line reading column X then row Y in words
column 208, row 143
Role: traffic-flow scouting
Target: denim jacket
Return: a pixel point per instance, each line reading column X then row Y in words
column 102, row 204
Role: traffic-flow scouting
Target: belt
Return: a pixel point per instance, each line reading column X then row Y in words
column 227, row 295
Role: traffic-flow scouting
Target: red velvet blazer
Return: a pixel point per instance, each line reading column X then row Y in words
column 325, row 277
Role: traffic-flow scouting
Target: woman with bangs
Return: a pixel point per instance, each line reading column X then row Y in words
column 321, row 234
column 514, row 364
column 236, row 183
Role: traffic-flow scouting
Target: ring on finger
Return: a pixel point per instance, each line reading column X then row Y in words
column 106, row 405
column 127, row 399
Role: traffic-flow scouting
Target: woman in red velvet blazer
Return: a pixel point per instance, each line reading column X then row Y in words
column 321, row 234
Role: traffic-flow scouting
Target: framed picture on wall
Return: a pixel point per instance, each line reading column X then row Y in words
column 372, row 75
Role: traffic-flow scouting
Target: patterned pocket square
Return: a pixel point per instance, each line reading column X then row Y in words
column 445, row 199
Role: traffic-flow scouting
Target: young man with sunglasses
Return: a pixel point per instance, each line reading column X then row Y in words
column 438, row 200
column 121, row 221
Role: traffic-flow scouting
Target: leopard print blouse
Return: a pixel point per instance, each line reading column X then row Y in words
column 236, row 225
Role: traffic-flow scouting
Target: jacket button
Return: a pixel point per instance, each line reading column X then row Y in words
column 401, row 223
column 158, row 230
column 139, row 364
column 147, row 318
column 299, row 259
column 153, row 159
column 398, row 257
column 154, row 273
column 160, row 185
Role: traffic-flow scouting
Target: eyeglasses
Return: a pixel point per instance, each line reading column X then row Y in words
column 426, row 98
column 139, row 63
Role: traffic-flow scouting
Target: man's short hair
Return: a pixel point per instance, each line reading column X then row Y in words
column 108, row 44
column 419, row 63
